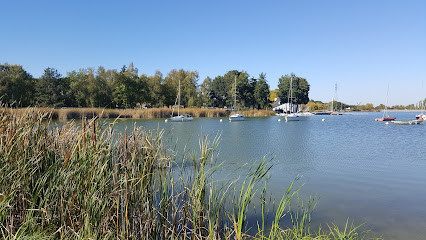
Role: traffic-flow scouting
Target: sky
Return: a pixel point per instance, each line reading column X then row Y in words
column 363, row 46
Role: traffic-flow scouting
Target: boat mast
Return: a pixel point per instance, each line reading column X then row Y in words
column 235, row 94
column 290, row 98
column 385, row 113
column 179, row 98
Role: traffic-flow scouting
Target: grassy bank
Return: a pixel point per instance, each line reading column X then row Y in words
column 149, row 113
column 81, row 182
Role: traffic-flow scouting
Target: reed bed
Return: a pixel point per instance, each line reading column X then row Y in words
column 258, row 113
column 84, row 182
column 148, row 113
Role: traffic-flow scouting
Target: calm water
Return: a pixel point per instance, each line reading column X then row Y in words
column 365, row 170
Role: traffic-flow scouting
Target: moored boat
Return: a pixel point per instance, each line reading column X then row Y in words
column 291, row 116
column 385, row 116
column 421, row 116
column 236, row 116
column 385, row 119
column 408, row 122
column 180, row 117
column 322, row 113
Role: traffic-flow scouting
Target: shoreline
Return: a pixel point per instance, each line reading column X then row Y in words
column 154, row 113
column 148, row 113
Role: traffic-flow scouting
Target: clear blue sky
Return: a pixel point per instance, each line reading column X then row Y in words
column 362, row 45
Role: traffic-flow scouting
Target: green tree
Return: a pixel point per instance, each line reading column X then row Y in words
column 188, row 87
column 380, row 106
column 154, row 86
column 100, row 90
column 300, row 89
column 52, row 89
column 261, row 92
column 16, row 85
column 223, row 88
column 79, row 87
column 219, row 91
column 366, row 107
column 244, row 88
column 129, row 90
column 249, row 98
column 206, row 93
column 316, row 105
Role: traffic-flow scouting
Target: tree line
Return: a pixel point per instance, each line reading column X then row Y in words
column 126, row 88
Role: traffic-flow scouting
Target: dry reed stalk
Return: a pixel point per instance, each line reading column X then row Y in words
column 84, row 182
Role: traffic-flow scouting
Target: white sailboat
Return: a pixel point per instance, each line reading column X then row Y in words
column 236, row 116
column 179, row 117
column 291, row 116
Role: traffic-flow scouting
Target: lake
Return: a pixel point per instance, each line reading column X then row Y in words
column 360, row 169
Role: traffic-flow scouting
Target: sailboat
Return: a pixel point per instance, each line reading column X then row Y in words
column 179, row 117
column 236, row 116
column 291, row 116
column 332, row 112
column 385, row 116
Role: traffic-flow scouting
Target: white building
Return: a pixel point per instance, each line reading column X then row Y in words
column 278, row 107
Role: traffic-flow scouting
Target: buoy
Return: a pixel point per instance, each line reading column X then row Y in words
column 279, row 119
column 220, row 120
column 323, row 119
column 387, row 123
column 165, row 120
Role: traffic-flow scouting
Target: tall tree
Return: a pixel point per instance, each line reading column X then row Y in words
column 100, row 90
column 154, row 86
column 106, row 80
column 129, row 90
column 206, row 93
column 219, row 90
column 250, row 101
column 52, row 89
column 300, row 89
column 79, row 87
column 261, row 92
column 16, row 85
column 244, row 88
column 188, row 87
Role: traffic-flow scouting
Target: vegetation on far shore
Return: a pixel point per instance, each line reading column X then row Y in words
column 127, row 89
column 148, row 113
column 83, row 182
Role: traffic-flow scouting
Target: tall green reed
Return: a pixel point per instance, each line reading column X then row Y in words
column 84, row 181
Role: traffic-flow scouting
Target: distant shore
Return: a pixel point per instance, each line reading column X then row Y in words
column 147, row 113
column 152, row 113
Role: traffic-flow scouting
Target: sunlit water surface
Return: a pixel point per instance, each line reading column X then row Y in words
column 359, row 169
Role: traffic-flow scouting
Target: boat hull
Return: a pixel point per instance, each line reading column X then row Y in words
column 421, row 117
column 385, row 119
column 181, row 118
column 292, row 117
column 236, row 117
column 322, row 113
column 410, row 122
